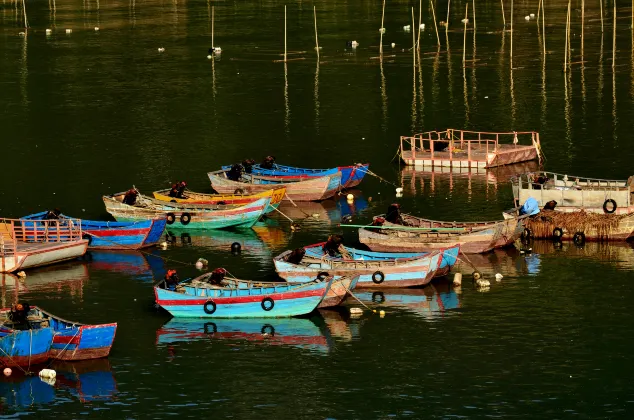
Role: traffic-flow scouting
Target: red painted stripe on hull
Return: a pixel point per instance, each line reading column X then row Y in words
column 69, row 339
column 15, row 361
column 118, row 232
column 83, row 354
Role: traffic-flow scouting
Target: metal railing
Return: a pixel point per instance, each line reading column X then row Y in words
column 13, row 231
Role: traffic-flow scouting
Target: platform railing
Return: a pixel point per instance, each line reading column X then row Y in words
column 41, row 231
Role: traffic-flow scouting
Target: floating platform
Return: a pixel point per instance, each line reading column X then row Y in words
column 470, row 149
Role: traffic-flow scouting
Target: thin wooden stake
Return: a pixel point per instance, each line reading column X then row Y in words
column 212, row 26
column 316, row 39
column 474, row 18
column 566, row 43
column 544, row 26
column 511, row 34
column 601, row 11
column 503, row 17
column 583, row 9
column 464, row 41
column 420, row 18
column 381, row 30
column 414, row 46
column 447, row 22
column 614, row 38
column 433, row 11
column 26, row 24
column 539, row 9
column 569, row 27
column 285, row 33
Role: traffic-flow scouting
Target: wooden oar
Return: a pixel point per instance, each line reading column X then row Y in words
column 440, row 229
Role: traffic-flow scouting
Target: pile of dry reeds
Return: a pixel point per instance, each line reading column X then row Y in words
column 596, row 225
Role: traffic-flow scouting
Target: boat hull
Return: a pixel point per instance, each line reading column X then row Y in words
column 276, row 195
column 84, row 342
column 339, row 291
column 25, row 347
column 351, row 176
column 40, row 254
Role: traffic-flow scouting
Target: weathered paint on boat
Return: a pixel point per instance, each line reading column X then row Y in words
column 376, row 270
column 116, row 235
column 190, row 197
column 288, row 332
column 351, row 176
column 281, row 300
column 190, row 218
column 473, row 237
column 310, row 189
column 24, row 347
column 77, row 341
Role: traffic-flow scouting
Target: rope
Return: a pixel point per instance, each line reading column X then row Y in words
column 65, row 347
column 11, row 358
column 358, row 300
column 280, row 212
column 380, row 178
column 468, row 261
column 398, row 153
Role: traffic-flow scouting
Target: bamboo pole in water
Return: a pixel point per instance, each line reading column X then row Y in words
column 614, row 38
column 474, row 18
column 601, row 11
column 583, row 9
column 420, row 18
column 26, row 24
column 212, row 26
column 544, row 25
column 503, row 17
column 566, row 38
column 569, row 29
column 413, row 45
column 464, row 41
column 447, row 22
column 511, row 34
column 285, row 33
column 433, row 11
column 381, row 30
column 539, row 9
column 316, row 39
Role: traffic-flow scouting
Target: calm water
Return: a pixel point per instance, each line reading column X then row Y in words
column 93, row 112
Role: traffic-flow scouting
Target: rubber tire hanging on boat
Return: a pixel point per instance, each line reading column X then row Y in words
column 323, row 275
column 171, row 218
column 605, row 206
column 378, row 277
column 579, row 238
column 378, row 297
column 239, row 191
column 268, row 329
column 558, row 233
column 185, row 219
column 267, row 299
column 88, row 237
column 214, row 328
column 213, row 306
column 172, row 201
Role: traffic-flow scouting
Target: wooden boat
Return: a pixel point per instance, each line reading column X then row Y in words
column 300, row 189
column 302, row 333
column 339, row 289
column 74, row 340
column 190, row 197
column 573, row 193
column 26, row 347
column 116, row 235
column 280, row 300
column 26, row 244
column 420, row 235
column 190, row 216
column 470, row 149
column 351, row 176
column 375, row 269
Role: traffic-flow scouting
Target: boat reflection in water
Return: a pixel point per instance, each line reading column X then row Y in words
column 303, row 333
column 69, row 276
column 436, row 300
column 497, row 261
column 87, row 380
column 146, row 266
column 325, row 212
column 340, row 325
column 429, row 179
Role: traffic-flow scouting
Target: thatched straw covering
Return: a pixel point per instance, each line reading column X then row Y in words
column 594, row 225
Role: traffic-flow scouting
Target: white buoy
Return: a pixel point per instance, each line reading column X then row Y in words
column 499, row 277
column 161, row 49
column 355, row 44
column 532, row 15
column 48, row 373
column 350, row 197
column 209, row 57
column 217, row 50
column 96, row 28
column 315, row 215
column 422, row 26
column 21, row 274
column 399, row 190
column 69, row 31
column 48, row 381
column 164, row 245
column 457, row 279
column 199, row 265
column 382, row 313
column 48, row 32
column 7, row 371
column 393, row 44
column 382, row 31
column 407, row 28
column 22, row 33
column 465, row 21
column 354, row 311
column 527, row 17
column 399, row 195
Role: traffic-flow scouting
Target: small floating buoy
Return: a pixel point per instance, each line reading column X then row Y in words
column 48, row 373
column 209, row 57
column 22, row 33
column 161, row 49
column 236, row 247
column 315, row 215
column 21, row 274
column 7, row 371
column 69, row 31
column 482, row 283
column 382, row 30
column 465, row 21
column 407, row 28
column 532, row 15
column 96, row 28
column 457, row 279
column 382, row 313
column 356, row 311
column 164, row 245
column 355, row 44
column 399, row 190
column 48, row 32
column 393, row 44
column 295, row 226
column 350, row 197
column 499, row 277
column 422, row 26
column 399, row 195
column 527, row 17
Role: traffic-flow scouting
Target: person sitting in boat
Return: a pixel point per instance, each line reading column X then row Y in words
column 235, row 173
column 268, row 162
column 295, row 257
column 174, row 190
column 130, row 197
column 550, row 205
column 393, row 214
column 182, row 186
column 217, row 276
column 334, row 247
column 171, row 280
column 18, row 315
column 53, row 214
column 248, row 165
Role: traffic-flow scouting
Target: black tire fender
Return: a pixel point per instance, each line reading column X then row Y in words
column 378, row 277
column 209, row 307
column 267, row 304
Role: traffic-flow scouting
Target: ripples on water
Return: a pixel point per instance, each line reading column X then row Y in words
column 92, row 112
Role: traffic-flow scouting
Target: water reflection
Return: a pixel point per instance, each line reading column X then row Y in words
column 340, row 325
column 431, row 302
column 620, row 255
column 85, row 381
column 303, row 333
column 324, row 212
column 145, row 266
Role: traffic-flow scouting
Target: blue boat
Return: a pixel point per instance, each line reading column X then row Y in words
column 351, row 176
column 376, row 269
column 73, row 340
column 301, row 333
column 116, row 235
column 24, row 348
column 270, row 301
